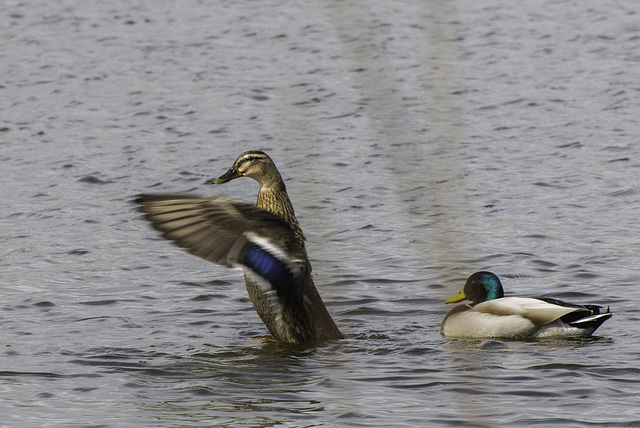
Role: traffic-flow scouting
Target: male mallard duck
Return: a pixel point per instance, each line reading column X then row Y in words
column 265, row 240
column 492, row 315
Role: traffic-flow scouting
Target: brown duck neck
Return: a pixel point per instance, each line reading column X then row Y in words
column 273, row 197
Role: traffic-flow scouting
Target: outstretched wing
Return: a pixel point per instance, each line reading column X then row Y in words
column 229, row 232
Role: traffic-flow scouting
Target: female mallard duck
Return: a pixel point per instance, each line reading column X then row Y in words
column 265, row 240
column 492, row 315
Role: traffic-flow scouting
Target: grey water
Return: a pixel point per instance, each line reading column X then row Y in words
column 420, row 141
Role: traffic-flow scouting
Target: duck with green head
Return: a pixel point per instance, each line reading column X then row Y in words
column 265, row 240
column 490, row 314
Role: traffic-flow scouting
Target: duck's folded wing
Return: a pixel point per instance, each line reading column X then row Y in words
column 228, row 232
column 537, row 311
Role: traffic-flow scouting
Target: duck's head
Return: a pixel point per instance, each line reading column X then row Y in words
column 253, row 164
column 479, row 287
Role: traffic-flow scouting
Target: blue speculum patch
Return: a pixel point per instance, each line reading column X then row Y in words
column 267, row 266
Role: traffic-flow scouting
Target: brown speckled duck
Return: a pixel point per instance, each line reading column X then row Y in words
column 265, row 240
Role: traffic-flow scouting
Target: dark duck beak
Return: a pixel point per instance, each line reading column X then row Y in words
column 232, row 174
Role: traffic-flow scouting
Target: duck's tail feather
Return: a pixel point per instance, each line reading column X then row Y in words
column 593, row 321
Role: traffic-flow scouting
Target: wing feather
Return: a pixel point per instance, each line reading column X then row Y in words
column 537, row 311
column 221, row 230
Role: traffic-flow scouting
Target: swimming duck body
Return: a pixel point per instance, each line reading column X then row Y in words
column 491, row 315
column 265, row 240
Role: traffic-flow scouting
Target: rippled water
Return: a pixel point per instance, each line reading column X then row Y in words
column 421, row 141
